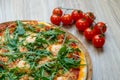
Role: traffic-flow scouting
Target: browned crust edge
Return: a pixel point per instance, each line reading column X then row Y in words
column 88, row 59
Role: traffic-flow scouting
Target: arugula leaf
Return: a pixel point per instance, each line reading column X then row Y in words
column 30, row 28
column 8, row 76
column 52, row 33
column 65, row 62
column 70, row 41
column 70, row 50
column 45, row 78
column 42, row 52
column 7, row 35
column 42, row 72
column 71, row 62
column 61, row 55
column 62, row 52
column 19, row 28
column 36, row 55
column 30, row 46
column 40, row 41
column 11, row 42
column 52, row 76
column 78, row 50
column 13, row 56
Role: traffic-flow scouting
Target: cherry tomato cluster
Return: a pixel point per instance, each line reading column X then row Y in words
column 84, row 22
column 57, row 17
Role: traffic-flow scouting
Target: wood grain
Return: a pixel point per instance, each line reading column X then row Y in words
column 106, row 61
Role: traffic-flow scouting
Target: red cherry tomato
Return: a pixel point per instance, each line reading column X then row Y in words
column 89, row 33
column 82, row 24
column 98, row 40
column 100, row 28
column 66, row 19
column 55, row 19
column 76, row 14
column 57, row 11
column 90, row 17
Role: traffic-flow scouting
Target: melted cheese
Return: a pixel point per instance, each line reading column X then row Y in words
column 61, row 78
column 82, row 73
column 22, row 64
column 30, row 39
column 26, row 77
column 54, row 48
column 44, row 23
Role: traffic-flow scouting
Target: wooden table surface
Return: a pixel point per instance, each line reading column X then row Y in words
column 106, row 61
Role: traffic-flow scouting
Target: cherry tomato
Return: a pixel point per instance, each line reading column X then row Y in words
column 76, row 14
column 55, row 19
column 66, row 19
column 98, row 40
column 82, row 24
column 57, row 11
column 89, row 33
column 90, row 17
column 100, row 28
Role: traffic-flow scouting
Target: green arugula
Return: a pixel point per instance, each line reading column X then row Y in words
column 19, row 28
column 29, row 27
column 36, row 55
column 40, row 41
column 61, row 62
column 66, row 62
column 35, row 52
column 11, row 43
column 52, row 34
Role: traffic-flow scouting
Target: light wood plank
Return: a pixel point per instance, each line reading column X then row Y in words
column 106, row 61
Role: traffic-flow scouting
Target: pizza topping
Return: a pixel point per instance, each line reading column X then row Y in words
column 61, row 78
column 54, row 49
column 2, row 50
column 44, row 60
column 19, row 29
column 47, row 28
column 22, row 49
column 28, row 55
column 3, row 59
column 60, row 38
column 30, row 39
column 22, row 64
column 26, row 77
column 13, row 63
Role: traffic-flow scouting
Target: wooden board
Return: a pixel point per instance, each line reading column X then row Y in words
column 81, row 46
column 106, row 60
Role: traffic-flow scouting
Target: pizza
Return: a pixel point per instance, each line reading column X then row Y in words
column 31, row 50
